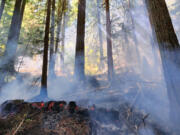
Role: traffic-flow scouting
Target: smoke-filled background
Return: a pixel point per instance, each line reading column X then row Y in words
column 139, row 76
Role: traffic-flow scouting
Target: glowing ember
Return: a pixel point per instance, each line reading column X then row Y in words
column 50, row 105
column 77, row 108
column 41, row 105
column 61, row 105
column 92, row 108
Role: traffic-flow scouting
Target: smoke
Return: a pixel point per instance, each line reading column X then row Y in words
column 139, row 81
column 17, row 89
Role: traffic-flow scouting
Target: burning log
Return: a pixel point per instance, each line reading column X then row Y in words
column 38, row 105
column 71, row 107
column 58, row 118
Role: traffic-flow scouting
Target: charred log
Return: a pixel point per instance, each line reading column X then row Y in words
column 58, row 118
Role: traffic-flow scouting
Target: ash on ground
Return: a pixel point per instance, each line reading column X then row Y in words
column 59, row 118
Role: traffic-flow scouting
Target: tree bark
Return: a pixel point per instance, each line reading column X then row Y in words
column 3, row 2
column 100, row 33
column 45, row 54
column 21, row 16
column 61, row 8
column 7, row 63
column 80, row 52
column 169, row 50
column 109, row 43
column 23, row 5
column 52, row 56
column 58, row 34
column 63, row 40
column 133, row 34
column 13, row 37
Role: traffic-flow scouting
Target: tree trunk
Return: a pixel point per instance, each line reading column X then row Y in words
column 52, row 57
column 100, row 33
column 45, row 54
column 23, row 4
column 58, row 34
column 21, row 16
column 7, row 63
column 169, row 50
column 109, row 43
column 80, row 52
column 6, row 66
column 12, row 37
column 61, row 9
column 3, row 2
column 63, row 41
column 133, row 34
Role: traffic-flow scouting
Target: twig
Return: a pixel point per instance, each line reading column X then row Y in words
column 145, row 117
column 20, row 124
column 34, row 114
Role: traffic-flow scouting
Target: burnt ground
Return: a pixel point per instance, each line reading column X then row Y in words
column 59, row 118
column 124, row 108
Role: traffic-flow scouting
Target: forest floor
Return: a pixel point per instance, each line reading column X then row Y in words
column 127, row 89
column 57, row 118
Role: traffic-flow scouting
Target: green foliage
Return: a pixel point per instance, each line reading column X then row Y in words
column 73, row 10
column 32, row 31
column 5, row 22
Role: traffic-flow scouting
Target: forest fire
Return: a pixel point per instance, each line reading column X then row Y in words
column 38, row 105
column 55, row 117
column 89, row 67
column 57, row 106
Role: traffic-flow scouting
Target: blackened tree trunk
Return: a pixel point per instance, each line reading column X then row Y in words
column 45, row 53
column 109, row 43
column 169, row 50
column 80, row 52
column 52, row 57
column 100, row 33
column 3, row 2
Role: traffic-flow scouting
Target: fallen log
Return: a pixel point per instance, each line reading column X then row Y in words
column 59, row 118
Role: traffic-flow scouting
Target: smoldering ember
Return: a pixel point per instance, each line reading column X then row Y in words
column 89, row 67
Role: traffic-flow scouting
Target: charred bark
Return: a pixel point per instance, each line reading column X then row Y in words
column 3, row 2
column 52, row 57
column 45, row 53
column 80, row 52
column 109, row 43
column 169, row 50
